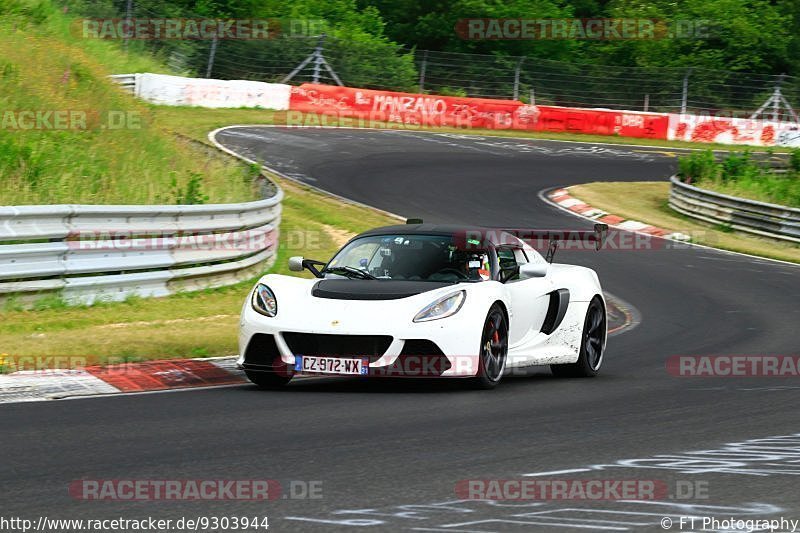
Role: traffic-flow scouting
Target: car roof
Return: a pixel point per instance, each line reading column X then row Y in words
column 495, row 236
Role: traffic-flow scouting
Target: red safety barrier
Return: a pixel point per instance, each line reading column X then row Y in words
column 406, row 108
column 602, row 122
column 435, row 110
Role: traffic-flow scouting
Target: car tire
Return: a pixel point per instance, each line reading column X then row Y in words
column 593, row 340
column 268, row 379
column 493, row 350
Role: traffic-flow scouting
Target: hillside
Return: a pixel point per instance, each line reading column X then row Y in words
column 69, row 135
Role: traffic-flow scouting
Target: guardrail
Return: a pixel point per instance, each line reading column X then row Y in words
column 110, row 252
column 129, row 82
column 768, row 220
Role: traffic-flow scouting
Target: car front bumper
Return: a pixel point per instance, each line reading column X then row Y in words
column 439, row 348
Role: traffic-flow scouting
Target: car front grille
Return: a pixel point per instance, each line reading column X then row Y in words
column 419, row 357
column 370, row 346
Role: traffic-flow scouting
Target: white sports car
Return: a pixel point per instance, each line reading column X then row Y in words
column 427, row 300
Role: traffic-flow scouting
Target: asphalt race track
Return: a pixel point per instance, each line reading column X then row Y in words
column 389, row 455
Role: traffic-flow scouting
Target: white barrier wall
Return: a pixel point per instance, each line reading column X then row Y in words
column 725, row 130
column 201, row 92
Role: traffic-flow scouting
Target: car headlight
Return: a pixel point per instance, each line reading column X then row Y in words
column 442, row 308
column 264, row 300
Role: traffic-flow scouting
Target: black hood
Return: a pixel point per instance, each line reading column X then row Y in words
column 368, row 289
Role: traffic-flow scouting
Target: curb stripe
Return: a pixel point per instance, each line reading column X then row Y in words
column 562, row 198
column 162, row 375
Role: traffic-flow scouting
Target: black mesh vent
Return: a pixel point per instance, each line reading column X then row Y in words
column 419, row 358
column 370, row 346
column 261, row 351
column 420, row 347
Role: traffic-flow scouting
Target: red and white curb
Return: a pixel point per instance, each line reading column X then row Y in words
column 38, row 385
column 563, row 199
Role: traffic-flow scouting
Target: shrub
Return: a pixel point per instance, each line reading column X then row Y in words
column 794, row 160
column 739, row 167
column 697, row 166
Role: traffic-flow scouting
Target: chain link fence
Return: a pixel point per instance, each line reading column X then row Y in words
column 390, row 66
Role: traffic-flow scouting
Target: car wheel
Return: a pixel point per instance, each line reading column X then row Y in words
column 270, row 379
column 592, row 344
column 493, row 350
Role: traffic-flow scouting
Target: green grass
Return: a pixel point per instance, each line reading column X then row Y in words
column 739, row 175
column 108, row 149
column 647, row 202
column 770, row 188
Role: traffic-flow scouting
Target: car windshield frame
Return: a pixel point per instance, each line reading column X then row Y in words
column 432, row 252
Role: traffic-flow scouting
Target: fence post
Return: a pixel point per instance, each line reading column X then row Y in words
column 646, row 102
column 211, row 54
column 685, row 95
column 776, row 100
column 319, row 62
column 318, row 58
column 516, row 77
column 533, row 96
column 128, row 16
column 776, row 96
column 423, row 67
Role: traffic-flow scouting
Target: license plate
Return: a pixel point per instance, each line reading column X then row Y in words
column 331, row 365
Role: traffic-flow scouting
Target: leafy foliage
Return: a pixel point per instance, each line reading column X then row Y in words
column 739, row 174
column 370, row 41
column 697, row 166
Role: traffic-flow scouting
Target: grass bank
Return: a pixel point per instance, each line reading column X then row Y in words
column 740, row 175
column 69, row 135
column 647, row 202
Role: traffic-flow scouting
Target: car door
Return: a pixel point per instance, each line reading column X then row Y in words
column 527, row 298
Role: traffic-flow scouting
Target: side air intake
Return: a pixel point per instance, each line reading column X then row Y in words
column 559, row 301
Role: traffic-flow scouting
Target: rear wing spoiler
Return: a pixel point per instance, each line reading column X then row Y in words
column 597, row 236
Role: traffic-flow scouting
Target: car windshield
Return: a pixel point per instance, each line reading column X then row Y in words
column 410, row 258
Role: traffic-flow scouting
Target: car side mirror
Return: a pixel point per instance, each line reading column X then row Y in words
column 533, row 270
column 296, row 263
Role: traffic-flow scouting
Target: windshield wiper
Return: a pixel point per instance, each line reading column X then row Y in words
column 349, row 272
